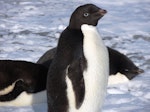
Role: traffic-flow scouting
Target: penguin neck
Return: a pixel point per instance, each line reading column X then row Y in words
column 69, row 40
column 73, row 24
column 74, row 29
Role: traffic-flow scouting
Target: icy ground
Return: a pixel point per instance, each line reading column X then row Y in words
column 28, row 28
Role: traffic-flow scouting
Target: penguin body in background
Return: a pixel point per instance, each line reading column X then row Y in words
column 21, row 83
column 77, row 77
column 118, row 63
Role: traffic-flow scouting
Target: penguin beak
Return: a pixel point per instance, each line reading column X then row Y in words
column 140, row 71
column 102, row 11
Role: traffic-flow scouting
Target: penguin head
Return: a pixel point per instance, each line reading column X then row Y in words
column 131, row 73
column 129, row 69
column 86, row 14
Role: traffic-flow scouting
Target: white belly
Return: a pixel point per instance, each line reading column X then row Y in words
column 117, row 79
column 25, row 99
column 96, row 75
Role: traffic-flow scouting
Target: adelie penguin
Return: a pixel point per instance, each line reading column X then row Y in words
column 122, row 69
column 22, row 83
column 77, row 77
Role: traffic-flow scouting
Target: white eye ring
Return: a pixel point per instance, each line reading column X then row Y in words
column 86, row 14
column 126, row 70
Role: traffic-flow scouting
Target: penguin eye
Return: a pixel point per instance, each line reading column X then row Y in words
column 126, row 70
column 86, row 14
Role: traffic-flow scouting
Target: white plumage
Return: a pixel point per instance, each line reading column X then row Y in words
column 96, row 75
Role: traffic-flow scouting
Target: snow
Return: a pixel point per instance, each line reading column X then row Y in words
column 29, row 28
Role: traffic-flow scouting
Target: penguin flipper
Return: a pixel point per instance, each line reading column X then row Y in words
column 75, row 73
column 18, row 89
